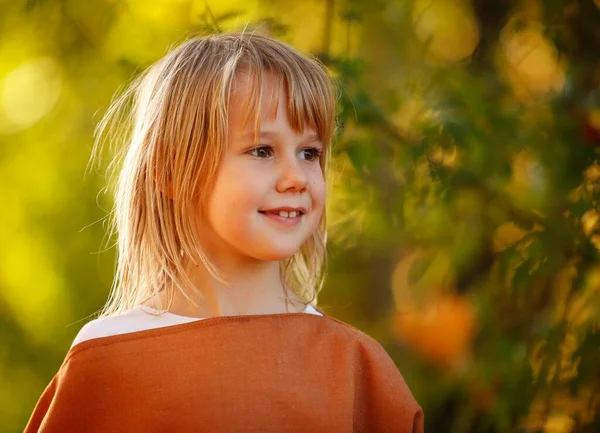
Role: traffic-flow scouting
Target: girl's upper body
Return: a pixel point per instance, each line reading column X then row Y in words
column 221, row 234
column 289, row 372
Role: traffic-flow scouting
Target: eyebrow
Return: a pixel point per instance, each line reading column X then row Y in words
column 272, row 134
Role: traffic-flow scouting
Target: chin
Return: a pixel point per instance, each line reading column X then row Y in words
column 277, row 254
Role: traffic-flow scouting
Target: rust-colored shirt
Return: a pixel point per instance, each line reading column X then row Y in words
column 290, row 372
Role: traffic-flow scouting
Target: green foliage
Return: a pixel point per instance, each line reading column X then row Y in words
column 486, row 158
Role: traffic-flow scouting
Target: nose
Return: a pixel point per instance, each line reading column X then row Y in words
column 292, row 176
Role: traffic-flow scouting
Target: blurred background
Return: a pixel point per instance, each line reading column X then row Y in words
column 464, row 214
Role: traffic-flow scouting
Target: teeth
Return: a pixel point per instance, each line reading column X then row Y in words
column 285, row 214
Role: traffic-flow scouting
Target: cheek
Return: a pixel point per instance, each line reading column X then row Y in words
column 317, row 192
column 237, row 193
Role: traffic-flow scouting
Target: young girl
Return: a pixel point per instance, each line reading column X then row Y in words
column 219, row 211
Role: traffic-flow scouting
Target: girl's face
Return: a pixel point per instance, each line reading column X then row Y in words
column 280, row 170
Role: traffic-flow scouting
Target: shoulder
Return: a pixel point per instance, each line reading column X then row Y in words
column 354, row 335
column 363, row 350
column 97, row 328
column 378, row 381
column 131, row 321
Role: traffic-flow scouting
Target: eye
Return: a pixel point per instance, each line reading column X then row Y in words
column 261, row 152
column 313, row 153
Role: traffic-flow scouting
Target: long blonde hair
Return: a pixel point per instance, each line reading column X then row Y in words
column 168, row 132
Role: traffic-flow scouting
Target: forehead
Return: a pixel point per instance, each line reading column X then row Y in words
column 252, row 101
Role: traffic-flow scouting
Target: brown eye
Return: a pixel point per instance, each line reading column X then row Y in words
column 311, row 154
column 261, row 152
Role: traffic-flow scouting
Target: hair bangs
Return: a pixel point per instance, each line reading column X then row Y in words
column 309, row 93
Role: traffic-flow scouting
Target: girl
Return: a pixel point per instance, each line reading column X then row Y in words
column 219, row 212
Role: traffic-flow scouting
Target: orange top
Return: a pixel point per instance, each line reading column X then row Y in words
column 290, row 372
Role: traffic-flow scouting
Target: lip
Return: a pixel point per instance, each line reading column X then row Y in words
column 282, row 220
column 286, row 209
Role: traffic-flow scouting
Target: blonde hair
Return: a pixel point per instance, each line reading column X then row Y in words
column 168, row 132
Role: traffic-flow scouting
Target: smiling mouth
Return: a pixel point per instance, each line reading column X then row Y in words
column 278, row 213
column 283, row 219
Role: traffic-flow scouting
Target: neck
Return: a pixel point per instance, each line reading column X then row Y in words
column 254, row 288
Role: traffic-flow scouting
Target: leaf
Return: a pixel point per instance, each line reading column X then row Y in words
column 522, row 278
column 418, row 269
column 362, row 157
column 458, row 131
column 229, row 15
